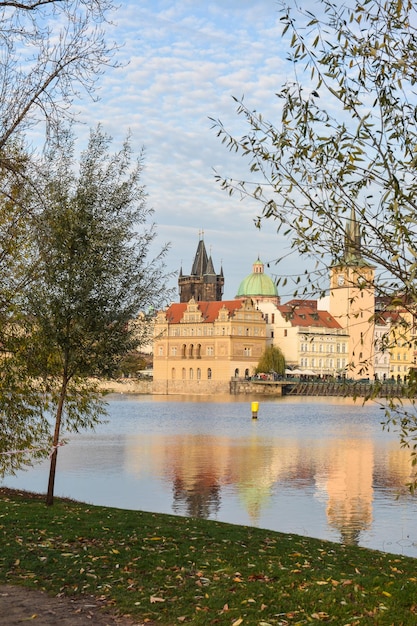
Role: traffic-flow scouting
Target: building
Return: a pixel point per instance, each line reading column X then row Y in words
column 203, row 284
column 310, row 338
column 352, row 302
column 258, row 286
column 200, row 346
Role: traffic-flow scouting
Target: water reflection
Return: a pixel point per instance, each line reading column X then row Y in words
column 317, row 468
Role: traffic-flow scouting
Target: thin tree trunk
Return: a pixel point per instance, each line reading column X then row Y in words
column 52, row 467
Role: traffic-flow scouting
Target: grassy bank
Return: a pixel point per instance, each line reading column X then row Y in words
column 175, row 570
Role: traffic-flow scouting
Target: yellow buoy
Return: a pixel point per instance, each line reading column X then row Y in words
column 254, row 407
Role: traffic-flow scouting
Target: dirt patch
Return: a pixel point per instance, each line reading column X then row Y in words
column 20, row 605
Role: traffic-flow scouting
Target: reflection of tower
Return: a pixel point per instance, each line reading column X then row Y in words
column 349, row 487
column 258, row 467
column 197, row 466
column 199, row 499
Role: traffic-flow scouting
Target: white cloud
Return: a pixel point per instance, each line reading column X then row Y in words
column 182, row 63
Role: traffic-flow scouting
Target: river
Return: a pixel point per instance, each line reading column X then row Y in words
column 320, row 467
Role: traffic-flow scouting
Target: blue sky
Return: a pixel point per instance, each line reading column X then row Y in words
column 182, row 63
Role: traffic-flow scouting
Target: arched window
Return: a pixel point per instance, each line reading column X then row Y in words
column 209, row 373
column 198, row 373
column 183, row 373
column 183, row 349
column 236, row 372
column 173, row 373
column 191, row 351
column 191, row 373
column 198, row 351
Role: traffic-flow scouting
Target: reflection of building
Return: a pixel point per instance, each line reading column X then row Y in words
column 255, row 471
column 200, row 346
column 348, row 483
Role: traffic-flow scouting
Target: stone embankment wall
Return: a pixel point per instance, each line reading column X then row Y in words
column 127, row 385
column 239, row 386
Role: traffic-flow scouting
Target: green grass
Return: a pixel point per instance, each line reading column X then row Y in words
column 175, row 570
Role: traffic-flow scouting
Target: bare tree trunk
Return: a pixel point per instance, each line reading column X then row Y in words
column 52, row 468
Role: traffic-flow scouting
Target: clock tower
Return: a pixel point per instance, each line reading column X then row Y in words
column 352, row 302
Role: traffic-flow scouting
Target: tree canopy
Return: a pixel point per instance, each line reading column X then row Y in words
column 51, row 52
column 345, row 139
column 90, row 277
column 272, row 360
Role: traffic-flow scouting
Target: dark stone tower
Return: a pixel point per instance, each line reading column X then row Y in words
column 203, row 284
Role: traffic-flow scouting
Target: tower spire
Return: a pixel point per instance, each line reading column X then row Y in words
column 353, row 240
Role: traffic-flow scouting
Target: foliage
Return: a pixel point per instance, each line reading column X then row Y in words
column 166, row 569
column 52, row 50
column 345, row 145
column 272, row 360
column 132, row 363
column 91, row 279
column 355, row 150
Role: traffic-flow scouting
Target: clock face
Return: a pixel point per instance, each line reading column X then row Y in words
column 341, row 280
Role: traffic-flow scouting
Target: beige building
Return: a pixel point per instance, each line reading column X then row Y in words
column 310, row 338
column 352, row 303
column 200, row 346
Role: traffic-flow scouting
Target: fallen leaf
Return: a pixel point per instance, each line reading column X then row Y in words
column 156, row 599
column 237, row 622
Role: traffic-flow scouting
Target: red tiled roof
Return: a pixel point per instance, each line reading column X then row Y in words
column 301, row 315
column 209, row 310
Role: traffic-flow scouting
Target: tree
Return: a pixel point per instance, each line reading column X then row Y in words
column 91, row 280
column 345, row 145
column 272, row 360
column 52, row 50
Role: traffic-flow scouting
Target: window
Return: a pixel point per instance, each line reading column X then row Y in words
column 247, row 351
column 174, row 351
column 183, row 373
column 272, row 318
column 209, row 373
column 191, row 373
column 173, row 373
column 285, row 332
column 198, row 373
column 209, row 350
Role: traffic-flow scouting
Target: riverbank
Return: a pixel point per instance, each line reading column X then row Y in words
column 272, row 388
column 174, row 570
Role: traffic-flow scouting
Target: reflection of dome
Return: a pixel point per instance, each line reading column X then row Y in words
column 258, row 285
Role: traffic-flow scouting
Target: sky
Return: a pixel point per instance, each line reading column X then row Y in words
column 182, row 62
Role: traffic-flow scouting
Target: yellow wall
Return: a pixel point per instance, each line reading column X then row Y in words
column 352, row 304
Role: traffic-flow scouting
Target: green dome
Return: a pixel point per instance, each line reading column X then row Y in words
column 257, row 283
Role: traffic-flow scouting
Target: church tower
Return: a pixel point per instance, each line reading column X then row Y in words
column 203, row 284
column 352, row 301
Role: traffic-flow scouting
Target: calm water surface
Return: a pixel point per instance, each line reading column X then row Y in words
column 318, row 467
